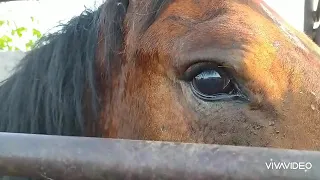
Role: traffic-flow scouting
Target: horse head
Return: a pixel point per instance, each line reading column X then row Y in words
column 213, row 71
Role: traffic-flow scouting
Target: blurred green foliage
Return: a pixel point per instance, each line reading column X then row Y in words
column 6, row 40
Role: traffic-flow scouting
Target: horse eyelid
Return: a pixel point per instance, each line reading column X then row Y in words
column 195, row 68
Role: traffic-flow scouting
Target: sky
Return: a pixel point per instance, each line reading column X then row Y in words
column 48, row 13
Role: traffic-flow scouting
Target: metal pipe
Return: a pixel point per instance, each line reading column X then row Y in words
column 317, row 36
column 309, row 18
column 74, row 158
column 317, row 12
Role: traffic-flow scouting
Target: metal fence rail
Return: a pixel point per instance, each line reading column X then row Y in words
column 71, row 158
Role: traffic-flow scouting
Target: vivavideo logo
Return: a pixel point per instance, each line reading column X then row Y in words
column 272, row 165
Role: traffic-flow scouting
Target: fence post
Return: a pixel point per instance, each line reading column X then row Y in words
column 309, row 18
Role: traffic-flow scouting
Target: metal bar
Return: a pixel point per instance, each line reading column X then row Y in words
column 308, row 18
column 317, row 12
column 74, row 158
column 317, row 36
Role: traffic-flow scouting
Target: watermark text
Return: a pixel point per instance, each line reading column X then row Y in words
column 272, row 165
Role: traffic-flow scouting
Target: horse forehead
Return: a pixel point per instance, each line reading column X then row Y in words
column 203, row 5
column 201, row 15
column 204, row 10
column 198, row 8
column 287, row 30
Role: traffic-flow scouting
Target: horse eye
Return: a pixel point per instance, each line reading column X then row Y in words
column 213, row 85
column 211, row 82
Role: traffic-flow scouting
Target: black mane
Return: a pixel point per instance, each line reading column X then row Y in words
column 47, row 93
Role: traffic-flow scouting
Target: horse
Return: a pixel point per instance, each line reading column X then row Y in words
column 228, row 72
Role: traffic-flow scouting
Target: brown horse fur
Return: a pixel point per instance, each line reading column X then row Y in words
column 123, row 71
column 278, row 68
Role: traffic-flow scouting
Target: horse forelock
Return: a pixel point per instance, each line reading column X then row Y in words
column 131, row 20
column 59, row 85
column 46, row 93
